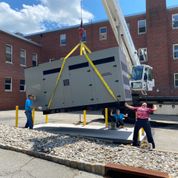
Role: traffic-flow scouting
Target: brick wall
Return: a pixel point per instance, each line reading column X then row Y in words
column 8, row 100
column 158, row 40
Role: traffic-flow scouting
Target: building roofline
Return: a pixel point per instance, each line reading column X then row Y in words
column 135, row 14
column 172, row 7
column 19, row 37
column 89, row 23
column 67, row 28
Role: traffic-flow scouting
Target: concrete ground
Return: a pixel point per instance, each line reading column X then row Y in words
column 18, row 165
column 165, row 135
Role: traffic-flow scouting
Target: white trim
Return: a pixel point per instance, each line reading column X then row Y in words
column 103, row 36
column 146, row 54
column 23, row 65
column 172, row 21
column 63, row 34
column 36, row 58
column 24, row 87
column 9, row 45
column 19, row 37
column 175, row 58
column 174, row 80
column 6, row 90
column 140, row 33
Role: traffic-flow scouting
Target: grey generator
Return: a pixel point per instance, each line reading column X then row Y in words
column 79, row 87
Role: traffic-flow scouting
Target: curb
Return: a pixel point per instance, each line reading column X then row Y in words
column 109, row 170
column 84, row 166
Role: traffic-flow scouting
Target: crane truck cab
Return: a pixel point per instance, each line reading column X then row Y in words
column 142, row 78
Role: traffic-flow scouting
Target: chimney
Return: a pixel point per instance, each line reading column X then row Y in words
column 155, row 5
column 156, row 11
column 157, row 43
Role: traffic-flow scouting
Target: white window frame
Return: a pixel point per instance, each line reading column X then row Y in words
column 8, row 45
column 140, row 33
column 61, row 39
column 175, row 58
column 128, row 26
column 22, row 85
column 8, row 90
column 145, row 50
column 173, row 21
column 175, row 80
column 35, row 59
column 103, row 36
column 25, row 58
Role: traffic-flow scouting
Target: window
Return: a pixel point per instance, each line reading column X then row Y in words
column 34, row 59
column 175, row 21
column 22, row 85
column 102, row 33
column 63, row 40
column 141, row 26
column 176, row 80
column 84, row 36
column 175, row 51
column 22, row 57
column 8, row 53
column 143, row 54
column 128, row 26
column 8, row 84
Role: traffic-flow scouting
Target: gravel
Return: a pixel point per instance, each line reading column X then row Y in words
column 88, row 150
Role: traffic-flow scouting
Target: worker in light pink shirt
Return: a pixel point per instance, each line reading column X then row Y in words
column 142, row 121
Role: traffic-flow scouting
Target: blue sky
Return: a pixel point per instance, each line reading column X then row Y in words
column 128, row 7
column 30, row 16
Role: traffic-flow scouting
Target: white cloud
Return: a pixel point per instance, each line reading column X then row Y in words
column 47, row 14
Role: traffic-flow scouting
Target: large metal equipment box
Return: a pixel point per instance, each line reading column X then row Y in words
column 79, row 87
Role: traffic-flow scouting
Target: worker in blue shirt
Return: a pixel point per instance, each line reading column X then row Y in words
column 28, row 111
column 119, row 118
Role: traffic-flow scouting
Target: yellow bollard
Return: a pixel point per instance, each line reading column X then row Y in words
column 140, row 133
column 17, row 116
column 33, row 115
column 84, row 117
column 46, row 119
column 106, row 117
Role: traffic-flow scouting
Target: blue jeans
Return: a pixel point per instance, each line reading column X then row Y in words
column 29, row 123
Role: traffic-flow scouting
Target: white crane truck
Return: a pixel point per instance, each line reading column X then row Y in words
column 80, row 86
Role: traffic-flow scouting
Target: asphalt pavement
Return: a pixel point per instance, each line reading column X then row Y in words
column 18, row 165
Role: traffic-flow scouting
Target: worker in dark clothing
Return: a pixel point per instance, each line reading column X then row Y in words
column 142, row 121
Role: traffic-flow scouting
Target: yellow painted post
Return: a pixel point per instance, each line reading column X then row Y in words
column 141, row 132
column 33, row 115
column 46, row 119
column 106, row 117
column 84, row 117
column 17, row 116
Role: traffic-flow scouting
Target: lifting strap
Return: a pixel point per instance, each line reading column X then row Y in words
column 60, row 73
column 83, row 51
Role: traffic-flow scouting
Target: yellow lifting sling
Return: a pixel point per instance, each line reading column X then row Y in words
column 83, row 51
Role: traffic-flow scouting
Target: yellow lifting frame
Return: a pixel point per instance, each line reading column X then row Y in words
column 83, row 51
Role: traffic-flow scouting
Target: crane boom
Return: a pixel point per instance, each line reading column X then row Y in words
column 141, row 79
column 121, row 31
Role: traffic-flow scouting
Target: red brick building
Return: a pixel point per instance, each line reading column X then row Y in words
column 156, row 31
column 16, row 53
